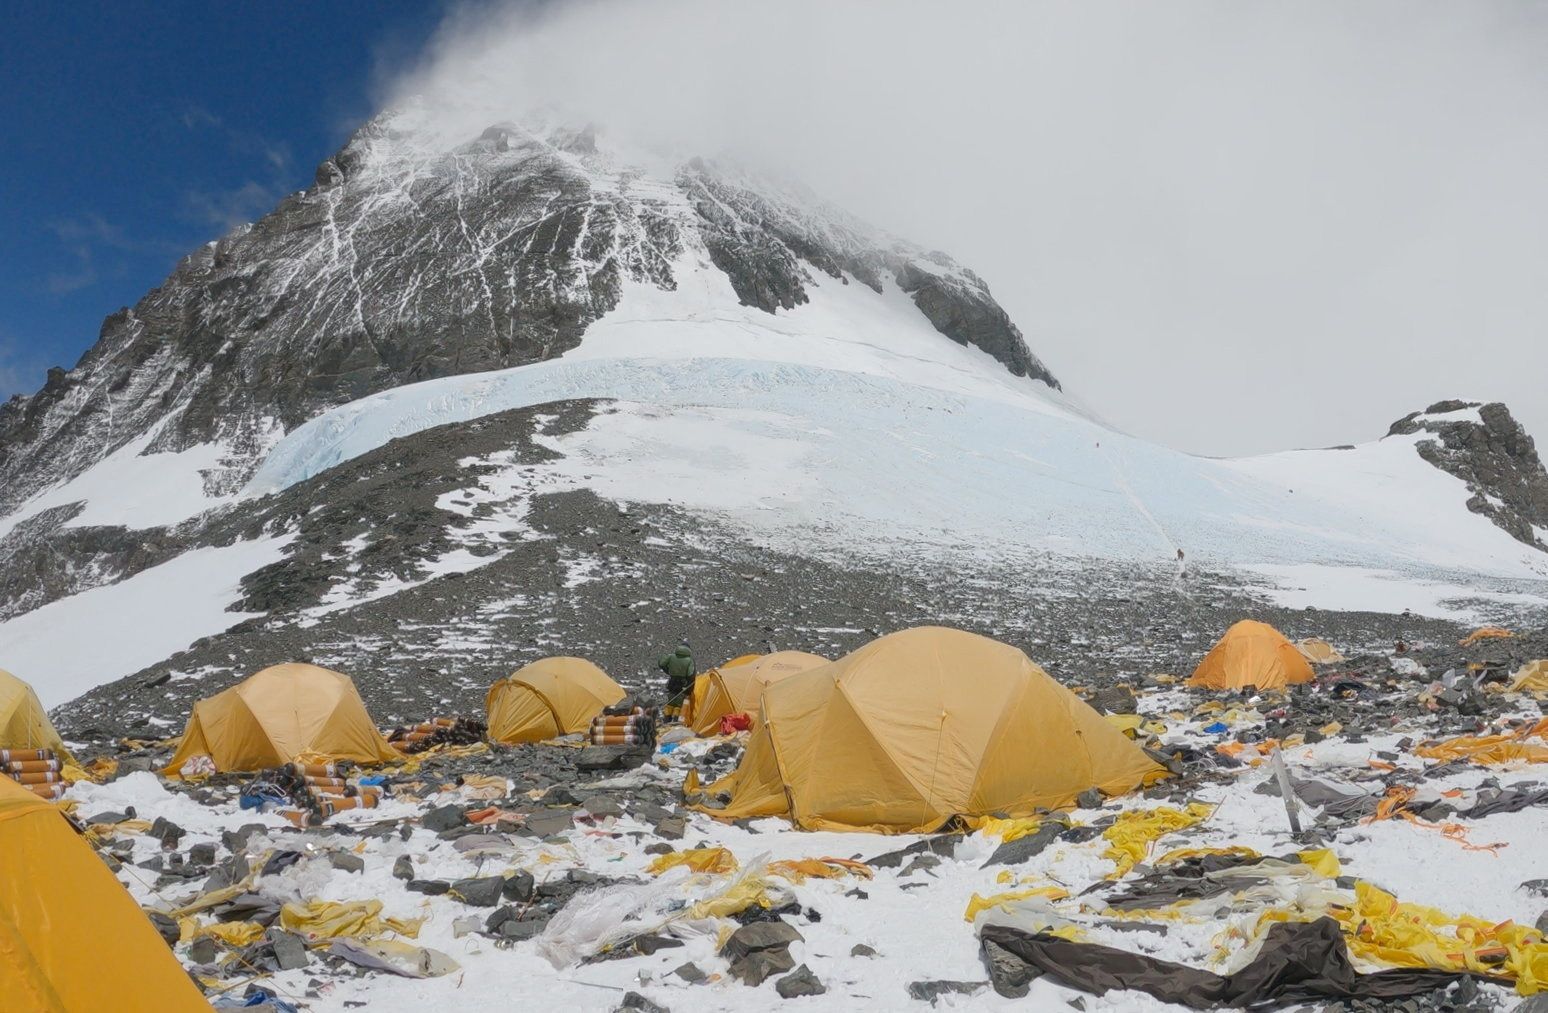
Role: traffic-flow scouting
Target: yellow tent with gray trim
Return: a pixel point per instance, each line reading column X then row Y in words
column 549, row 698
column 918, row 727
column 737, row 687
column 24, row 724
column 71, row 937
column 278, row 714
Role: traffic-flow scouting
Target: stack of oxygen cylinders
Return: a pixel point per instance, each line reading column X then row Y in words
column 37, row 770
column 632, row 726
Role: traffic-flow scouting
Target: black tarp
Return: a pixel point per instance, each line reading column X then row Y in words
column 1299, row 962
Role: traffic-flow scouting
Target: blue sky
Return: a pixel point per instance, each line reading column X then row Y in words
column 134, row 131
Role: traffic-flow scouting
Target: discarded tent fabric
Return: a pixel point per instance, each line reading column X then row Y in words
column 1531, row 678
column 1299, row 962
column 1492, row 749
column 738, row 687
column 279, row 714
column 921, row 726
column 24, row 724
column 549, row 698
column 71, row 937
column 1319, row 651
column 1252, row 654
column 1486, row 633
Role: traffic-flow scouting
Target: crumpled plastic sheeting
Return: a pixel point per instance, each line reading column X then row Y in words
column 697, row 859
column 395, row 957
column 978, row 905
column 799, row 870
column 1132, row 834
column 1385, row 930
column 601, row 919
column 326, row 919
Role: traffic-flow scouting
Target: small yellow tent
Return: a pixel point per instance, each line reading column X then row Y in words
column 24, row 724
column 1252, row 654
column 698, row 697
column 549, row 698
column 917, row 727
column 277, row 714
column 71, row 937
column 737, row 687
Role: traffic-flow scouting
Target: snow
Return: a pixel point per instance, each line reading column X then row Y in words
column 72, row 645
column 132, row 489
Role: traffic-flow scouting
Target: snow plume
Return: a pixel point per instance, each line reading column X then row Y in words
column 1162, row 195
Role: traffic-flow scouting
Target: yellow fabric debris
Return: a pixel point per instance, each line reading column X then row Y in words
column 1183, row 854
column 1531, row 678
column 360, row 919
column 749, row 888
column 801, row 869
column 1006, row 830
column 979, row 904
column 1385, row 930
column 484, row 787
column 1491, row 749
column 1128, row 724
column 233, row 934
column 1331, row 728
column 1486, row 633
column 1324, row 861
column 99, row 832
column 697, row 859
column 1131, row 836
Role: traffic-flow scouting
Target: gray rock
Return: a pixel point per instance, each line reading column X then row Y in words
column 346, row 862
column 1542, row 923
column 760, row 936
column 633, row 1001
column 602, row 806
column 289, row 949
column 202, row 854
column 1534, row 1004
column 690, row 973
column 612, row 757
column 519, row 886
column 518, row 930
column 165, row 831
column 798, row 983
column 429, row 887
column 1011, row 976
column 929, row 991
column 1091, row 798
column 671, row 827
column 446, row 817
column 861, row 950
column 403, row 868
column 479, row 891
column 759, row 966
column 659, row 848
column 549, row 822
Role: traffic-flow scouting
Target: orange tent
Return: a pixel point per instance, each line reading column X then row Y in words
column 1252, row 654
column 737, row 687
column 71, row 937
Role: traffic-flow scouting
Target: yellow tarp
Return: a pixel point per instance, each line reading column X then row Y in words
column 919, row 727
column 279, row 714
column 24, row 724
column 1132, row 834
column 1383, row 929
column 977, row 904
column 71, row 937
column 699, row 860
column 1252, row 654
column 358, row 919
column 1531, row 678
column 1491, row 749
column 549, row 698
column 737, row 687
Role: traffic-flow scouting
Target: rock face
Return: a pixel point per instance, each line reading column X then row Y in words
column 1484, row 446
column 406, row 261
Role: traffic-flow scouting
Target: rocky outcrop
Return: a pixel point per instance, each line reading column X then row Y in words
column 407, row 261
column 1484, row 446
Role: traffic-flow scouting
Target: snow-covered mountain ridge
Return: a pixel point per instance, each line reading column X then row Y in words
column 688, row 339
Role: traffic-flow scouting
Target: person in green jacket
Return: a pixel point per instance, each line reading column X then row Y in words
column 679, row 670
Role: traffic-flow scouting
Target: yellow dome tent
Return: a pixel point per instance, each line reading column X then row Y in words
column 736, row 687
column 920, row 726
column 280, row 713
column 1252, row 654
column 698, row 697
column 549, row 698
column 24, row 724
column 71, row 937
